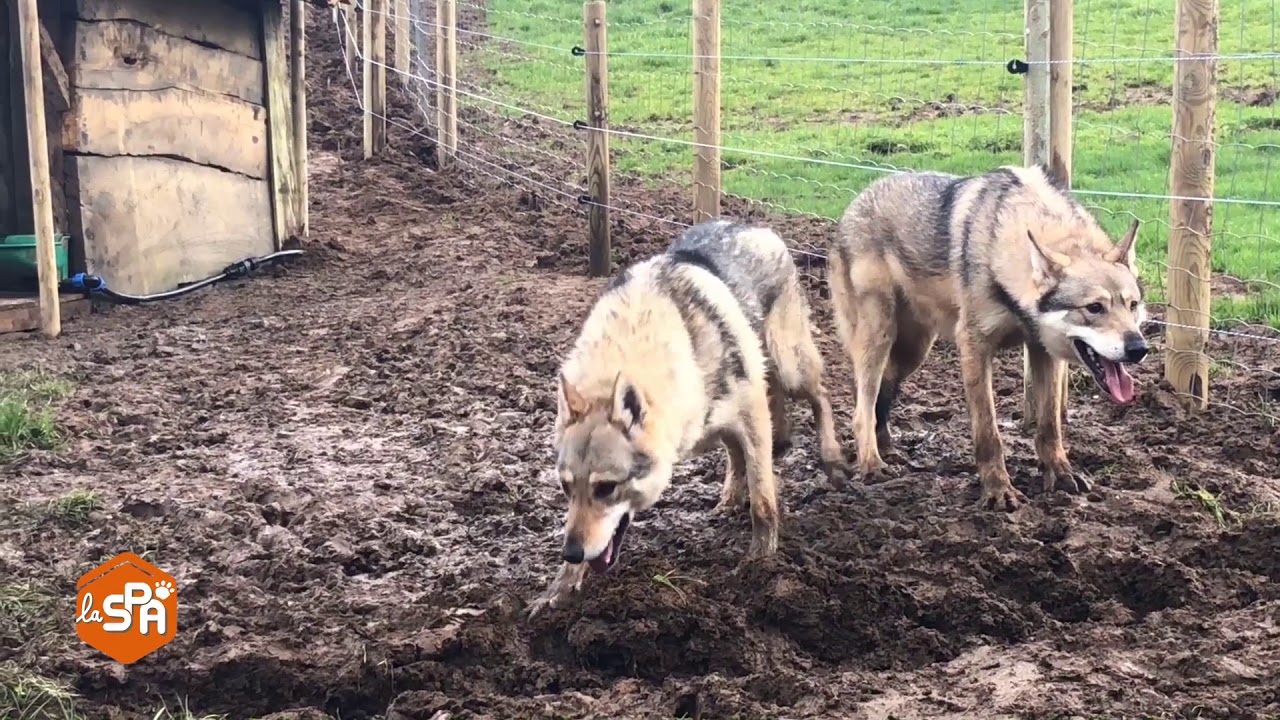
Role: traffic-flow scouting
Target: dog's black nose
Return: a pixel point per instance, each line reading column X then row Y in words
column 573, row 552
column 1135, row 347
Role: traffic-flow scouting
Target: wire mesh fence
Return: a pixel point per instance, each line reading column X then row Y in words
column 819, row 99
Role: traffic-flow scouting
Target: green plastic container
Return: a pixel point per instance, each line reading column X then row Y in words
column 18, row 261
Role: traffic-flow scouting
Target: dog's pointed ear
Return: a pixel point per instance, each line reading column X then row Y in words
column 627, row 410
column 1043, row 265
column 1126, row 251
column 572, row 404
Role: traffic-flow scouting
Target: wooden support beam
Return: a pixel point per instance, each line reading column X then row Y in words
column 595, row 35
column 375, row 77
column 446, row 84
column 1195, row 95
column 284, row 181
column 38, row 161
column 706, row 110
column 298, row 95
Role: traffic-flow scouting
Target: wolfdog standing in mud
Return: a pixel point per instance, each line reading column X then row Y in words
column 698, row 346
column 990, row 262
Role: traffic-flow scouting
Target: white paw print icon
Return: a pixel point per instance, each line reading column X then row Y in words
column 164, row 589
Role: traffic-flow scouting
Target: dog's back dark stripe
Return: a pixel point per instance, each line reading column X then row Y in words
column 693, row 257
column 999, row 184
column 691, row 302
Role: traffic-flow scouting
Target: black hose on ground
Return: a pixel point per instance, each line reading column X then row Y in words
column 94, row 286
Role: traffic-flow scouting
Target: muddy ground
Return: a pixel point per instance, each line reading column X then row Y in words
column 342, row 463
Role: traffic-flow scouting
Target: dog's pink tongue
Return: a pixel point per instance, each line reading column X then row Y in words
column 601, row 564
column 1119, row 382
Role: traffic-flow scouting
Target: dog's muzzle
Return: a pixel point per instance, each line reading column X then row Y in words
column 605, row 561
column 1135, row 348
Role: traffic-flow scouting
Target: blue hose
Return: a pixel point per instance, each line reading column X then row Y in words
column 94, row 286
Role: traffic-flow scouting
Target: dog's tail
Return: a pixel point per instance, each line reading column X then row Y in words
column 840, row 283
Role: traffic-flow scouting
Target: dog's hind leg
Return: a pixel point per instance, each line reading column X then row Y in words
column 751, row 447
column 910, row 348
column 872, row 342
column 789, row 334
column 733, row 494
column 1045, row 375
column 865, row 322
column 778, row 416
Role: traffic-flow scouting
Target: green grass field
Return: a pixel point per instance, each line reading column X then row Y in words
column 892, row 110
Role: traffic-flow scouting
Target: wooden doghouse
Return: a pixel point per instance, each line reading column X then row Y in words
column 175, row 129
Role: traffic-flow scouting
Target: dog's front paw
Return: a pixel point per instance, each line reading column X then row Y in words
column 538, row 606
column 730, row 505
column 1060, row 476
column 1001, row 496
column 763, row 545
column 872, row 470
column 838, row 473
column 567, row 582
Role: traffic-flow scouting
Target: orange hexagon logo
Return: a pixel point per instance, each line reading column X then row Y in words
column 127, row 608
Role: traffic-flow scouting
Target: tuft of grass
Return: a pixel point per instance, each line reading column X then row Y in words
column 72, row 510
column 883, row 109
column 25, row 695
column 26, row 413
column 1209, row 502
column 29, row 621
column 181, row 712
column 669, row 580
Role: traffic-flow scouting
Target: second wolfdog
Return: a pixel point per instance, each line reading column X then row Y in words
column 990, row 261
column 695, row 347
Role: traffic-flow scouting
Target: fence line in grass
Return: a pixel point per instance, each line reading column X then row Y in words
column 1203, row 190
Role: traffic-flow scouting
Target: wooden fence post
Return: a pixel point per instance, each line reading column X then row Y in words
column 446, row 84
column 1035, row 138
column 1195, row 93
column 706, row 110
column 1061, row 105
column 375, row 77
column 403, row 38
column 349, row 22
column 595, row 34
column 298, row 80
column 38, row 164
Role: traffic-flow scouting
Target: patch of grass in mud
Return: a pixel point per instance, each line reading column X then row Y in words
column 25, row 695
column 26, row 613
column 73, row 509
column 1212, row 505
column 26, row 413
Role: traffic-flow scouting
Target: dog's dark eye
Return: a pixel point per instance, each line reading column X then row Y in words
column 1133, row 306
column 1095, row 308
column 604, row 489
